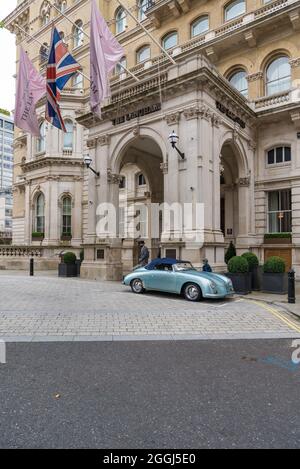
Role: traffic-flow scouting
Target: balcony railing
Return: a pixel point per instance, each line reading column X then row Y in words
column 277, row 99
column 20, row 251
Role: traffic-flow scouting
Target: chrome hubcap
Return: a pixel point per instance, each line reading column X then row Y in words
column 137, row 286
column 192, row 292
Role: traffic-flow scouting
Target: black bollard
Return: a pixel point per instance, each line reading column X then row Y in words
column 31, row 267
column 291, row 287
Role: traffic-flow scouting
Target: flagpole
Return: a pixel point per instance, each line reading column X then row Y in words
column 46, row 47
column 74, row 24
column 147, row 32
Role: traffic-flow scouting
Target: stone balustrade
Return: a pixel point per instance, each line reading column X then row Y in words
column 20, row 252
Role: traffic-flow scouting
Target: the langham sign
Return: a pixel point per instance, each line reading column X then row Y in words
column 230, row 114
column 135, row 114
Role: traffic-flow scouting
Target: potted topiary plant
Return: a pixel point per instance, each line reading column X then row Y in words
column 275, row 279
column 238, row 272
column 68, row 267
column 230, row 253
column 253, row 263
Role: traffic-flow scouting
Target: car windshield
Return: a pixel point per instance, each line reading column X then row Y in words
column 183, row 266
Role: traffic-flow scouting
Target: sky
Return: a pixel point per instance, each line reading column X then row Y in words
column 7, row 59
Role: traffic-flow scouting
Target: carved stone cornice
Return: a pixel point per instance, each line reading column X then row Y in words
column 216, row 120
column 113, row 178
column 91, row 143
column 191, row 113
column 244, row 182
column 103, row 140
column 164, row 167
column 172, row 118
column 50, row 161
column 205, row 113
column 255, row 77
column 294, row 63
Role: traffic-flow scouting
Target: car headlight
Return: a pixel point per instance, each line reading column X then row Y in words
column 212, row 285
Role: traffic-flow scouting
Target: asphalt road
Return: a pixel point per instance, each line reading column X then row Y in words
column 204, row 394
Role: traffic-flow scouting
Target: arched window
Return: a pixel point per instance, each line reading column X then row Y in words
column 41, row 140
column 119, row 69
column 238, row 79
column 66, row 216
column 121, row 21
column 40, row 214
column 44, row 53
column 68, row 135
column 234, row 9
column 199, row 26
column 78, row 35
column 278, row 75
column 142, row 6
column 143, row 54
column 170, row 40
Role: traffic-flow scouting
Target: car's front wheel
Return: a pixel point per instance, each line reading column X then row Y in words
column 192, row 292
column 137, row 286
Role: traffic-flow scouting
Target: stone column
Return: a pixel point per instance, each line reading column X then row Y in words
column 77, row 212
column 92, row 194
column 28, row 214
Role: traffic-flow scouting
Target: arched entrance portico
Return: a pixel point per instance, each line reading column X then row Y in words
column 234, row 182
column 141, row 184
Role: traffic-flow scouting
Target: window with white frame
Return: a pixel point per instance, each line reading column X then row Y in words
column 279, row 155
column 78, row 35
column 199, row 26
column 66, row 216
column 143, row 54
column 278, row 75
column 234, row 9
column 120, row 66
column 141, row 180
column 170, row 40
column 68, row 135
column 121, row 21
column 40, row 214
column 142, row 7
column 41, row 140
column 78, row 81
column 280, row 211
column 238, row 79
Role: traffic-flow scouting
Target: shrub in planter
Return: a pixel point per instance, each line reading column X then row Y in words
column 230, row 253
column 253, row 262
column 68, row 267
column 274, row 278
column 238, row 272
column 278, row 238
column 37, row 236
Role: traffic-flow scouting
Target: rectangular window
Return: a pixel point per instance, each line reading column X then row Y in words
column 280, row 211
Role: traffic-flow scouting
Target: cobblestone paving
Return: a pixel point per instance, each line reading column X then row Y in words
column 47, row 308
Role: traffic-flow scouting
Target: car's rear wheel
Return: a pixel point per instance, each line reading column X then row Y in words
column 192, row 292
column 137, row 286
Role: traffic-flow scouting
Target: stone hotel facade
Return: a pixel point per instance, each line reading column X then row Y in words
column 233, row 98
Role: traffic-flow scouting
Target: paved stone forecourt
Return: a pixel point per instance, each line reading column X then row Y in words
column 45, row 308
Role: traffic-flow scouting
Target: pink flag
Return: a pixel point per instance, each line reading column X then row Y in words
column 106, row 52
column 31, row 87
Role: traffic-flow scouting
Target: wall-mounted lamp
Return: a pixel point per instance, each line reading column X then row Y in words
column 88, row 161
column 173, row 138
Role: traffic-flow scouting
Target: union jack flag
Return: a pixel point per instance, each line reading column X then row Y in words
column 61, row 67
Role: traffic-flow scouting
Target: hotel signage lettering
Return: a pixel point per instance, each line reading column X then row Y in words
column 230, row 114
column 140, row 113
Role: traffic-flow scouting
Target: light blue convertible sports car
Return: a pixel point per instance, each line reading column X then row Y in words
column 172, row 276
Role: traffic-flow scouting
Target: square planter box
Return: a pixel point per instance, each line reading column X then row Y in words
column 281, row 241
column 275, row 283
column 256, row 276
column 67, row 270
column 241, row 282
